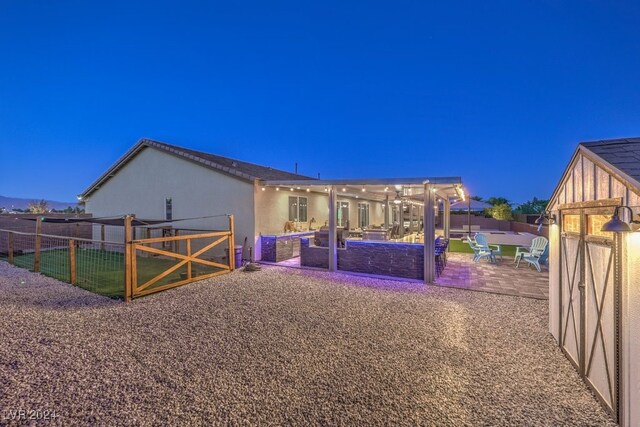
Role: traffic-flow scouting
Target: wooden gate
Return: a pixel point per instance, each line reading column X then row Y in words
column 158, row 264
column 589, row 288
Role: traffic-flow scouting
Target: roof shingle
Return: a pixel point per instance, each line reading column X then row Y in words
column 623, row 154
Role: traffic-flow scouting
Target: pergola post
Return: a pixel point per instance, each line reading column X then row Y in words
column 401, row 219
column 333, row 230
column 429, row 235
column 411, row 228
column 386, row 212
column 446, row 218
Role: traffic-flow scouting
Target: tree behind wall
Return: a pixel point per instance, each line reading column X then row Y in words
column 39, row 206
column 532, row 207
column 501, row 211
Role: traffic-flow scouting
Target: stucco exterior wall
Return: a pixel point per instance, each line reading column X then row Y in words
column 142, row 185
column 272, row 211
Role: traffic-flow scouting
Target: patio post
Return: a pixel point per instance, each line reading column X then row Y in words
column 411, row 218
column 386, row 212
column 429, row 234
column 333, row 231
column 446, row 218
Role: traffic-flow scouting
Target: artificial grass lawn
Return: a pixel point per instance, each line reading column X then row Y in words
column 462, row 246
column 102, row 272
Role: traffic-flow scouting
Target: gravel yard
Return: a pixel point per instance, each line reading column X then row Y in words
column 284, row 346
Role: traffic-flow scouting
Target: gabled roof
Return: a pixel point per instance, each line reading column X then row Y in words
column 618, row 157
column 624, row 154
column 236, row 168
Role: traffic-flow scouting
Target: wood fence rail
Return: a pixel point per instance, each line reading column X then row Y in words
column 131, row 248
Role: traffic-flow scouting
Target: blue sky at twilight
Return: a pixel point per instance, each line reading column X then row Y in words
column 497, row 92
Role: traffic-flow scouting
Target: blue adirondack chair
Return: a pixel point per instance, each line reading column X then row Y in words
column 491, row 251
column 537, row 260
column 537, row 247
column 478, row 253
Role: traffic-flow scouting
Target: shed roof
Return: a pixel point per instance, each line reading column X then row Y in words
column 623, row 154
column 619, row 157
column 237, row 168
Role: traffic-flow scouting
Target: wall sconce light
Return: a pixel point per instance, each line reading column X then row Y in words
column 551, row 219
column 615, row 224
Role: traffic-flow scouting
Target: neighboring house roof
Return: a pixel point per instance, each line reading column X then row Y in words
column 624, row 154
column 619, row 157
column 236, row 168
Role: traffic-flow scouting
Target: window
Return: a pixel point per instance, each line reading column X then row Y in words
column 297, row 209
column 168, row 209
column 571, row 223
column 595, row 223
column 342, row 213
column 363, row 215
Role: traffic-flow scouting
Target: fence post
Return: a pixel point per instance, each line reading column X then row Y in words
column 72, row 261
column 10, row 239
column 176, row 249
column 189, row 262
column 128, row 258
column 232, row 249
column 36, row 255
column 102, row 237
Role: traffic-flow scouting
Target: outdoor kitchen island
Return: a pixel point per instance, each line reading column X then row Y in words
column 378, row 258
column 281, row 247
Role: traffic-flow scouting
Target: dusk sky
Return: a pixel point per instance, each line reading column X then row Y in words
column 498, row 93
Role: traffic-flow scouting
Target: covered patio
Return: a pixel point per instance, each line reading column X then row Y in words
column 391, row 234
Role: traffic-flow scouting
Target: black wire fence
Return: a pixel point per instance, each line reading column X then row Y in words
column 101, row 256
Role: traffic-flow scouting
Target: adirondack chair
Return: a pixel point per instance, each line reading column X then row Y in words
column 537, row 247
column 493, row 250
column 475, row 248
column 537, row 260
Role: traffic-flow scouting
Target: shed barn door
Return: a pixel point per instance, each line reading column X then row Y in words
column 600, row 360
column 571, row 342
column 589, row 315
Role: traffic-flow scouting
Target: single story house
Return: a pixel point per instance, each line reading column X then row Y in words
column 279, row 212
column 594, row 274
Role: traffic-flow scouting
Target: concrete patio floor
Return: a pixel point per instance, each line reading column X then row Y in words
column 285, row 346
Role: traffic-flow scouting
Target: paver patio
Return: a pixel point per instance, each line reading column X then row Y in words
column 285, row 346
column 502, row 277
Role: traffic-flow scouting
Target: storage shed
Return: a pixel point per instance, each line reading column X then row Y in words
column 594, row 275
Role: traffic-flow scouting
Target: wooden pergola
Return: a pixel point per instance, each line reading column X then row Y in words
column 423, row 192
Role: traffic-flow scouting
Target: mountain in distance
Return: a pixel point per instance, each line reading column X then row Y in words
column 10, row 203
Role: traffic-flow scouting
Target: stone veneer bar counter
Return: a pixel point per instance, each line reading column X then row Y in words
column 405, row 260
column 280, row 247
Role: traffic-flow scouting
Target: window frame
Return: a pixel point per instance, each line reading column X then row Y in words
column 299, row 202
